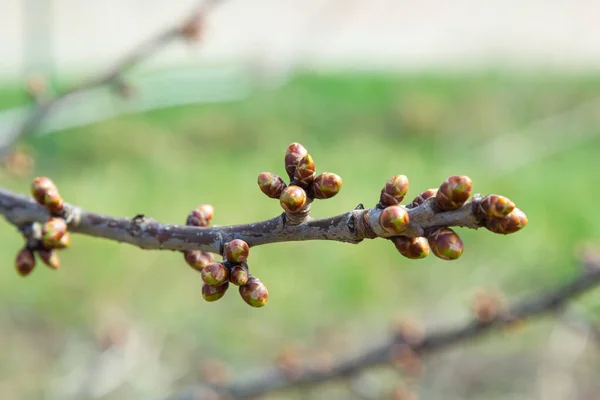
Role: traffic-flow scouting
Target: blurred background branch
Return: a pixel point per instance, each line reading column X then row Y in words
column 190, row 29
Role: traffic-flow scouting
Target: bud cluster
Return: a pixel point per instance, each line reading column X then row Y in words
column 201, row 217
column 497, row 213
column 304, row 186
column 233, row 269
column 500, row 215
column 53, row 234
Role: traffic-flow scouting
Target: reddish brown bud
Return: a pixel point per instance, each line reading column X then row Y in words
column 238, row 275
column 50, row 258
column 420, row 199
column 25, row 261
column 293, row 199
column 192, row 28
column 453, row 192
column 305, row 171
column 236, row 251
column 494, row 206
column 486, row 305
column 254, row 292
column 411, row 247
column 513, row 222
column 445, row 244
column 394, row 219
column 197, row 259
column 293, row 154
column 52, row 231
column 214, row 293
column 215, row 274
column 39, row 187
column 270, row 184
column 53, row 202
column 326, row 185
column 394, row 191
column 201, row 215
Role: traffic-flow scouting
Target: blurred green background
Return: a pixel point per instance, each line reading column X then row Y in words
column 533, row 138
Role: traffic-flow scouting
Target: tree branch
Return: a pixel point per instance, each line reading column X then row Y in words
column 146, row 233
column 136, row 56
column 275, row 379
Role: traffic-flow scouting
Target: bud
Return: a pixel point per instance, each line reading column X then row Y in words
column 214, row 293
column 64, row 242
column 53, row 202
column 238, row 275
column 445, row 244
column 50, row 258
column 270, row 184
column 197, row 259
column 394, row 191
column 25, row 261
column 494, row 206
column 52, row 231
column 394, row 219
column 453, row 192
column 487, row 305
column 236, row 251
column 192, row 28
column 293, row 199
column 420, row 199
column 513, row 222
column 326, row 185
column 254, row 292
column 201, row 215
column 40, row 186
column 411, row 247
column 293, row 154
column 215, row 274
column 305, row 171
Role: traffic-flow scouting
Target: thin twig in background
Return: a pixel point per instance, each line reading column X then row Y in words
column 391, row 351
column 189, row 28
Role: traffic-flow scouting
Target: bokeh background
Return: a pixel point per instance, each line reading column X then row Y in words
column 505, row 92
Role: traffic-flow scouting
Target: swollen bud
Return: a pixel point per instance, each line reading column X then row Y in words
column 420, row 199
column 236, row 251
column 197, row 259
column 305, row 171
column 215, row 274
column 270, row 184
column 453, row 192
column 445, row 244
column 293, row 155
column 411, row 247
column 214, row 293
column 394, row 191
column 40, row 186
column 238, row 275
column 52, row 232
column 50, row 258
column 254, row 292
column 25, row 261
column 293, row 199
column 394, row 219
column 513, row 222
column 53, row 202
column 201, row 215
column 326, row 185
column 494, row 206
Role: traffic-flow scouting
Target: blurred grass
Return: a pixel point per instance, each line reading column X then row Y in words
column 365, row 128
